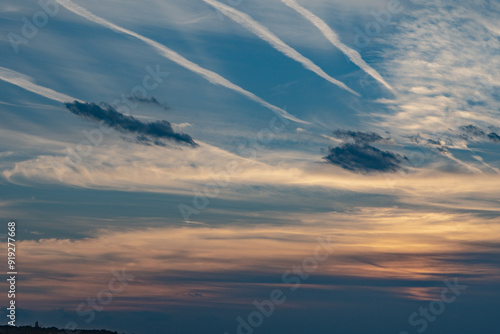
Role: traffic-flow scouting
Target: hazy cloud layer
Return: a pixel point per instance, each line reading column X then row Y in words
column 405, row 245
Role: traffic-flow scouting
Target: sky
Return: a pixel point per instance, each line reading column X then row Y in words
column 253, row 166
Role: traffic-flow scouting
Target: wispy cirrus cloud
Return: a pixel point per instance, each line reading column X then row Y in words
column 266, row 35
column 446, row 73
column 445, row 62
column 168, row 53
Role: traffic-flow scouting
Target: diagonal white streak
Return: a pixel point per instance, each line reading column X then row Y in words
column 164, row 51
column 27, row 83
column 266, row 35
column 331, row 36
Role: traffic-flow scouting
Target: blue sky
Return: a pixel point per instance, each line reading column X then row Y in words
column 205, row 146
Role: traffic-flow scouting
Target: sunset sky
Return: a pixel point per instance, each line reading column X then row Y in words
column 343, row 155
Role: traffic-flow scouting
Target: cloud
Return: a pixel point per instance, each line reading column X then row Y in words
column 436, row 80
column 363, row 158
column 494, row 137
column 151, row 100
column 331, row 36
column 472, row 130
column 180, row 171
column 151, row 132
column 212, row 77
column 477, row 132
column 443, row 147
column 357, row 136
column 266, row 35
column 147, row 133
column 27, row 83
column 429, row 243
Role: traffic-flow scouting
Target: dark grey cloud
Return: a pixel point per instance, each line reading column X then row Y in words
column 472, row 130
column 147, row 133
column 494, row 137
column 363, row 158
column 434, row 142
column 418, row 139
column 358, row 136
column 151, row 100
column 357, row 155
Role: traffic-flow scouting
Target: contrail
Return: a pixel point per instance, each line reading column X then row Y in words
column 264, row 33
column 466, row 165
column 27, row 83
column 177, row 58
column 480, row 159
column 330, row 35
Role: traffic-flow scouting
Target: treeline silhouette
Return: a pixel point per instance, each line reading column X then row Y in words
column 49, row 330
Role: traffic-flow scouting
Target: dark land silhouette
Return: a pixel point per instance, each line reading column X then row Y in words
column 49, row 330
